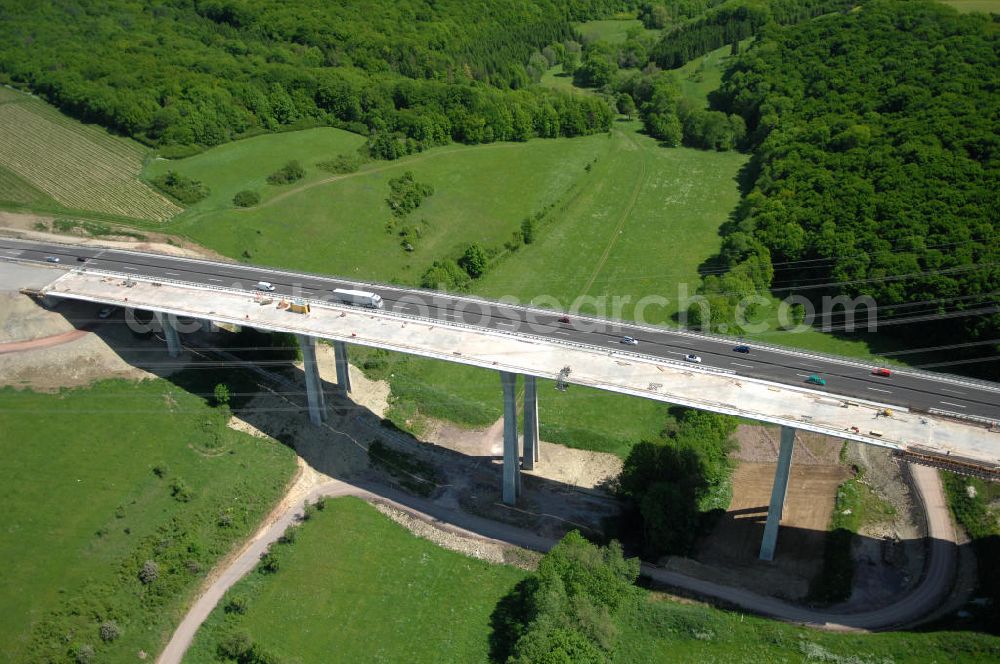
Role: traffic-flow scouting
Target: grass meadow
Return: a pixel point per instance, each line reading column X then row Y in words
column 96, row 481
column 613, row 31
column 356, row 587
column 353, row 586
column 965, row 6
column 54, row 163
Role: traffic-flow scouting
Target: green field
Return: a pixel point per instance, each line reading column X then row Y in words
column 703, row 75
column 356, row 587
column 985, row 6
column 83, row 510
column 337, row 224
column 613, row 31
column 79, row 167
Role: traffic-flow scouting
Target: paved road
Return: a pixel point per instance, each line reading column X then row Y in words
column 911, row 607
column 845, row 378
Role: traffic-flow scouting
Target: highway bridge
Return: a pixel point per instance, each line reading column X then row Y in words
column 936, row 418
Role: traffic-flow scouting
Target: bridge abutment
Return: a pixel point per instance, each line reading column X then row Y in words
column 778, row 492
column 314, row 385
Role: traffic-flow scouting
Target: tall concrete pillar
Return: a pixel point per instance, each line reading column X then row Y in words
column 314, row 386
column 530, row 423
column 168, row 322
column 511, row 488
column 343, row 370
column 778, row 492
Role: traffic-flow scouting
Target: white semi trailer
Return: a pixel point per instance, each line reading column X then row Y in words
column 358, row 298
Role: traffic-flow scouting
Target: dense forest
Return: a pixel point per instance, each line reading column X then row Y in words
column 875, row 168
column 733, row 21
column 185, row 72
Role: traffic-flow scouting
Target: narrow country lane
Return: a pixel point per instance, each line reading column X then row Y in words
column 918, row 602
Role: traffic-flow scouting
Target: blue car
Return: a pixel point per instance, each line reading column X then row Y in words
column 741, row 349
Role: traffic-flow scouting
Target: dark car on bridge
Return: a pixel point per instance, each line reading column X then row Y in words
column 742, row 348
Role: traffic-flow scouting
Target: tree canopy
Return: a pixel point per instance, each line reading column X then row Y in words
column 182, row 72
column 875, row 165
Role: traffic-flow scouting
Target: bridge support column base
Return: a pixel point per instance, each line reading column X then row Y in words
column 314, row 385
column 169, row 324
column 530, row 423
column 778, row 492
column 511, row 488
column 343, row 369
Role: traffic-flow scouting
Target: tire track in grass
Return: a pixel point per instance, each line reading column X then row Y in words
column 626, row 213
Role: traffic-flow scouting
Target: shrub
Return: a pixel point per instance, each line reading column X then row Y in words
column 180, row 490
column 290, row 172
column 269, row 563
column 110, row 631
column 342, row 163
column 221, row 394
column 445, row 275
column 186, row 190
column 237, row 605
column 149, row 573
column 473, row 261
column 246, row 198
column 528, row 230
column 235, row 646
column 84, row 654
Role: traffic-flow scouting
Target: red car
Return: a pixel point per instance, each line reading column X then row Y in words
column 564, row 319
column 881, row 371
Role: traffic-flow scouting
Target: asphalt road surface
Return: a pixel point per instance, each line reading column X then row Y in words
column 846, row 378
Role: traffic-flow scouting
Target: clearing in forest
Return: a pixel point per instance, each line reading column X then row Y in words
column 51, row 161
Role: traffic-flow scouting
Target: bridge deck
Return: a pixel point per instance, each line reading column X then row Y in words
column 610, row 368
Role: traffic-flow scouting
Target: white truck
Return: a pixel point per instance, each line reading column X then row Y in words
column 358, row 298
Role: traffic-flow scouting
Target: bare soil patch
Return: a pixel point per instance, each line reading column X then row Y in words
column 28, row 226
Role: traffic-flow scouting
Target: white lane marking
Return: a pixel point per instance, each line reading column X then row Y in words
column 507, row 322
column 740, row 364
column 802, row 375
column 675, row 352
column 811, row 366
column 565, row 334
column 176, row 274
column 956, row 405
column 130, row 269
column 307, row 292
column 875, row 389
column 945, row 389
column 211, row 279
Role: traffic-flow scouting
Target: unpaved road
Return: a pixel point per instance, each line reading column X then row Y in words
column 44, row 342
column 924, row 598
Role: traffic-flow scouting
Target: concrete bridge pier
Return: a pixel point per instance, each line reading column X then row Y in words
column 314, row 385
column 778, row 492
column 343, row 370
column 511, row 488
column 530, row 423
column 169, row 324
